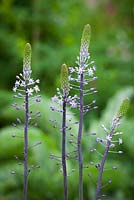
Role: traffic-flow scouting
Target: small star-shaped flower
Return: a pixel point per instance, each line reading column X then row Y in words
column 90, row 72
column 30, row 92
column 14, row 89
column 36, row 88
column 55, row 98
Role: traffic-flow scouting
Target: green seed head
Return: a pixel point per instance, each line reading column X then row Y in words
column 123, row 108
column 64, row 78
column 85, row 40
column 27, row 61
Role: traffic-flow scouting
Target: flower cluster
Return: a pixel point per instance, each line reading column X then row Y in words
column 71, row 101
column 24, row 84
column 20, row 85
column 85, row 69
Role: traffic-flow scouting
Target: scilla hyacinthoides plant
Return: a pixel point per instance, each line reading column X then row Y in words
column 64, row 101
column 65, row 89
column 26, row 89
column 109, row 143
column 80, row 78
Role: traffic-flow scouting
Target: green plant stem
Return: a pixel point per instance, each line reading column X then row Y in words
column 64, row 148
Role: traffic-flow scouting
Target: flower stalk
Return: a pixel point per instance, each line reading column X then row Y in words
column 80, row 78
column 83, row 57
column 26, row 142
column 24, row 89
column 115, row 123
column 65, row 88
column 26, row 74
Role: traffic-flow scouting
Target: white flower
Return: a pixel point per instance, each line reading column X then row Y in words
column 112, row 145
column 120, row 141
column 72, row 70
column 70, row 78
column 37, row 81
column 73, row 104
column 55, row 98
column 22, row 83
column 90, row 72
column 31, row 81
column 17, row 84
column 30, row 92
column 36, row 88
column 14, row 89
column 108, row 137
column 94, row 68
column 60, row 102
column 80, row 70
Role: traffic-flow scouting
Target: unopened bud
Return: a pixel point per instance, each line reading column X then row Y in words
column 123, row 108
column 85, row 40
column 64, row 78
column 27, row 62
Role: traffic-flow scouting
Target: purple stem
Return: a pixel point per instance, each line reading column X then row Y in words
column 26, row 145
column 80, row 159
column 64, row 148
column 99, row 183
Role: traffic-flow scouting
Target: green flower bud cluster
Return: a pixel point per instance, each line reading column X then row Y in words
column 64, row 78
column 85, row 40
column 123, row 108
column 27, row 62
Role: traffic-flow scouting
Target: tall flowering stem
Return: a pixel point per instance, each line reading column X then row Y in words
column 24, row 90
column 109, row 143
column 65, row 88
column 83, row 56
column 80, row 77
column 63, row 101
column 80, row 159
column 26, row 73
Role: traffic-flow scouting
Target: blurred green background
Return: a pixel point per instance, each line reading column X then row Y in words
column 54, row 30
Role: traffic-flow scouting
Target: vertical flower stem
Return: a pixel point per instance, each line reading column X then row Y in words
column 64, row 148
column 99, row 183
column 121, row 112
column 80, row 159
column 101, row 171
column 26, row 144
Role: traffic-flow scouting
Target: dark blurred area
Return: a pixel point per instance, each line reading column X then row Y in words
column 54, row 28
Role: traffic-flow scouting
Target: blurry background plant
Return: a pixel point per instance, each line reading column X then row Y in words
column 54, row 29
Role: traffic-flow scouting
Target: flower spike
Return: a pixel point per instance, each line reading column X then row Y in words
column 26, row 89
column 85, row 40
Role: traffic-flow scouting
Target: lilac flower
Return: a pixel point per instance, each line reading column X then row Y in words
column 36, row 88
column 90, row 72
